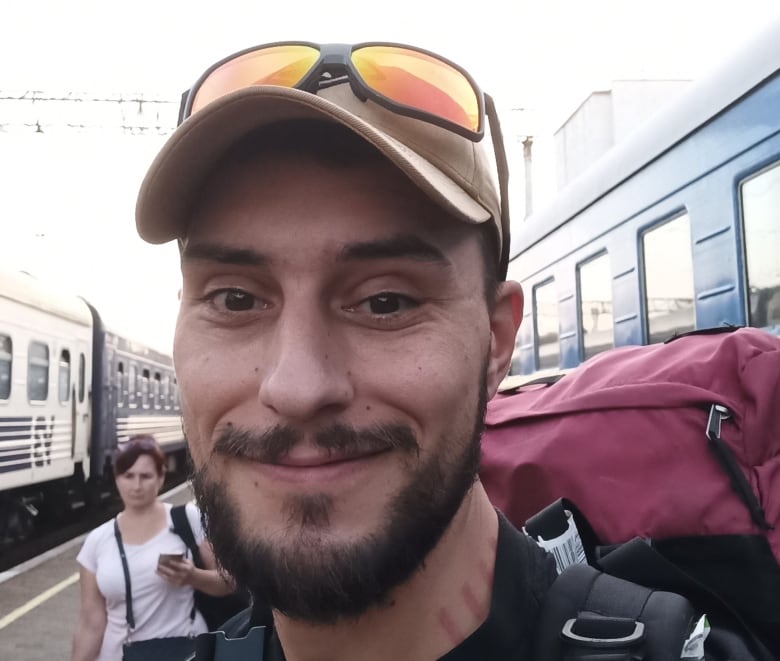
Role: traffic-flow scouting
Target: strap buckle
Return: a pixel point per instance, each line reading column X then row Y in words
column 598, row 638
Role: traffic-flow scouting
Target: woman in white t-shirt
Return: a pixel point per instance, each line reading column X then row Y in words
column 162, row 593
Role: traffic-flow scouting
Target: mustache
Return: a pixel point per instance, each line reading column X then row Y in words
column 270, row 445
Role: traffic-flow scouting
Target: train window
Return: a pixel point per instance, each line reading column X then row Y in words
column 120, row 384
column 760, row 203
column 63, row 377
column 546, row 325
column 145, row 389
column 594, row 280
column 82, row 376
column 668, row 278
column 156, row 382
column 132, row 386
column 6, row 364
column 38, row 372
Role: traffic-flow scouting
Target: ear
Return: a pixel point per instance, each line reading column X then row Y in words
column 504, row 323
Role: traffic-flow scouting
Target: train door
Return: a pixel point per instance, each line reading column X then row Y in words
column 80, row 402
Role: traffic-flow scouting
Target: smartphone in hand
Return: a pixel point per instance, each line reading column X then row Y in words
column 168, row 558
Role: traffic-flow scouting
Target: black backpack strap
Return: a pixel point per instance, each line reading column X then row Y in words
column 181, row 526
column 639, row 562
column 591, row 616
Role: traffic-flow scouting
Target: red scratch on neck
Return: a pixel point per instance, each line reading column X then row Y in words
column 455, row 635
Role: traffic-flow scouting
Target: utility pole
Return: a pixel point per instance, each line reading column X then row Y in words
column 528, row 142
column 523, row 127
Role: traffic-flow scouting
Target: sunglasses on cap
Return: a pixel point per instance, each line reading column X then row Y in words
column 406, row 80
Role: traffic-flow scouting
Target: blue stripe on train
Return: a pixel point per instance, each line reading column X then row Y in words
column 14, row 431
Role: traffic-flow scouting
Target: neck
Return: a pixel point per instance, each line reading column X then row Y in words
column 434, row 611
column 147, row 511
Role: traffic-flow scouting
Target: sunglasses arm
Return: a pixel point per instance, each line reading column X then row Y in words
column 185, row 95
column 502, row 168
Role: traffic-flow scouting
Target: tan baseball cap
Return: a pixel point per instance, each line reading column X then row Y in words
column 455, row 172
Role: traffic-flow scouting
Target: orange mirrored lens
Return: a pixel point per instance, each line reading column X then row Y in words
column 283, row 65
column 420, row 81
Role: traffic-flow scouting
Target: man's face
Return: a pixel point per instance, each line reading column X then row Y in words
column 331, row 349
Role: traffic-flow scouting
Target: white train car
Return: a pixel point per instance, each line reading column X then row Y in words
column 45, row 368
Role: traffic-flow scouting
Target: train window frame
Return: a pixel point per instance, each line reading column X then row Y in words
column 132, row 386
column 6, row 366
column 759, row 313
column 538, row 363
column 584, row 351
column 156, row 386
column 651, row 336
column 35, row 363
column 144, row 387
column 63, row 376
column 120, row 387
column 82, row 377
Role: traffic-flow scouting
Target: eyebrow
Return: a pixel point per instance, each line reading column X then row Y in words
column 405, row 246
column 222, row 254
column 397, row 247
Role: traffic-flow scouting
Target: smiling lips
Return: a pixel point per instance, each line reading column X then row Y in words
column 308, row 459
column 304, row 466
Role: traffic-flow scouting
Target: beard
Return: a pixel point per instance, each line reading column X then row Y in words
column 311, row 576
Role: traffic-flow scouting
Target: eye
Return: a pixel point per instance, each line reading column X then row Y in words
column 234, row 300
column 387, row 303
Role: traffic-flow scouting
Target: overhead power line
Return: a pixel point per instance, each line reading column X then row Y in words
column 133, row 113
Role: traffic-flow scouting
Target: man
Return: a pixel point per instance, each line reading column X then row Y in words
column 343, row 320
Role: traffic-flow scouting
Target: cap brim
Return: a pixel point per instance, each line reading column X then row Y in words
column 194, row 149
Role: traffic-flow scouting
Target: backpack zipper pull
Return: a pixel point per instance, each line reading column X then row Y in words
column 718, row 414
column 725, row 456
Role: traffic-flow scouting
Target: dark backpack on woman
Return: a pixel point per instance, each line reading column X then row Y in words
column 215, row 610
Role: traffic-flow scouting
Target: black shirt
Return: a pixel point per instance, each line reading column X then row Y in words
column 523, row 572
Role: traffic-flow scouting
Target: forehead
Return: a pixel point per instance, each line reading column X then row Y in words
column 298, row 201
column 144, row 462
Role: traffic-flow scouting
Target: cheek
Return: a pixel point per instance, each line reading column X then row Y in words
column 434, row 376
column 212, row 383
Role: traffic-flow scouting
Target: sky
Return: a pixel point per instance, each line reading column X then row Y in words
column 67, row 197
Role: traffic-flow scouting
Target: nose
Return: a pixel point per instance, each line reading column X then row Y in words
column 306, row 370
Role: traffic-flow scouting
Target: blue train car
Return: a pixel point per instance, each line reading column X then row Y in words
column 137, row 393
column 676, row 228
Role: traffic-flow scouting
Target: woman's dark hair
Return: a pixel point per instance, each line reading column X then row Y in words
column 128, row 452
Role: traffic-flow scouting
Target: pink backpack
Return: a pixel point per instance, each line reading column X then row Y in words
column 676, row 442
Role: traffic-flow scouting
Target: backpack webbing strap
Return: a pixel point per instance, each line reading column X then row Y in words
column 728, row 461
column 590, row 616
column 181, row 526
column 638, row 561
